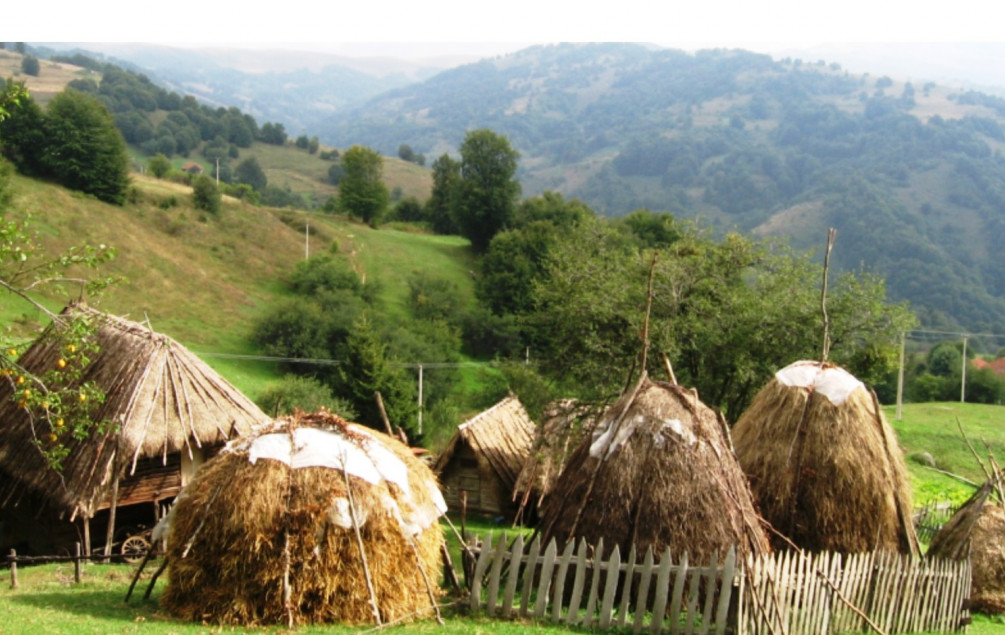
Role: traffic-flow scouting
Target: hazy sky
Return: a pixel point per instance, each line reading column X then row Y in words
column 485, row 28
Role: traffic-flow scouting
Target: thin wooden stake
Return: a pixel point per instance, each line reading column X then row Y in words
column 831, row 235
column 649, row 307
column 76, row 563
column 383, row 413
column 362, row 552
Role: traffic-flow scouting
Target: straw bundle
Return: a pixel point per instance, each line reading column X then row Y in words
column 977, row 531
column 657, row 471
column 823, row 463
column 310, row 520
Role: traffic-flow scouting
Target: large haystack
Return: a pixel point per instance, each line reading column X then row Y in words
column 267, row 531
column 823, row 463
column 658, row 472
column 977, row 531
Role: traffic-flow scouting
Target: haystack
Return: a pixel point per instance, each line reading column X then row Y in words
column 308, row 520
column 658, row 472
column 566, row 423
column 823, row 463
column 977, row 531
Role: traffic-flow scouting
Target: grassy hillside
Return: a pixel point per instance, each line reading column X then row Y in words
column 205, row 280
column 932, row 428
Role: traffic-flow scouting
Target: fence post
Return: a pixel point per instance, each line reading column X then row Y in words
column 13, row 568
column 76, row 563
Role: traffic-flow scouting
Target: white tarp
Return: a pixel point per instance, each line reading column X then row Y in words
column 834, row 383
column 365, row 458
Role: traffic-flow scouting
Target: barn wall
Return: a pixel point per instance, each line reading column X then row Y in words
column 468, row 472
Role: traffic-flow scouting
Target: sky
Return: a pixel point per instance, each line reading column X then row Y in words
column 426, row 28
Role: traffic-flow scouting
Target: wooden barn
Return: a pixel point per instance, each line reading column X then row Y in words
column 484, row 458
column 167, row 412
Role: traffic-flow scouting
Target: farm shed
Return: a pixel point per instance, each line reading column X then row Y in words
column 484, row 458
column 657, row 471
column 823, row 463
column 310, row 519
column 168, row 411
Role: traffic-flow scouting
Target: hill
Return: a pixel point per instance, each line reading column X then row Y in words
column 910, row 175
column 204, row 281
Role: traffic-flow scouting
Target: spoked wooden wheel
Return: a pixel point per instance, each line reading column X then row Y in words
column 134, row 548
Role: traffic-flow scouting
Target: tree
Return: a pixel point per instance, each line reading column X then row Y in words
column 62, row 406
column 84, row 149
column 446, row 173
column 366, row 370
column 405, row 152
column 250, row 172
column 205, row 195
column 487, row 191
column 159, row 165
column 30, row 65
column 362, row 192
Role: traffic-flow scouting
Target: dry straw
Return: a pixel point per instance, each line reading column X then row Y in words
column 823, row 463
column 253, row 540
column 657, row 471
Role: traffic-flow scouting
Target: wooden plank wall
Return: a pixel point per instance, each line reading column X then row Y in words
column 787, row 593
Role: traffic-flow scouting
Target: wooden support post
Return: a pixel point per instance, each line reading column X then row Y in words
column 13, row 569
column 383, row 413
column 76, row 563
column 110, row 534
column 87, row 533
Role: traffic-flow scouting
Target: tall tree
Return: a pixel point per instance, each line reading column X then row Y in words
column 84, row 149
column 446, row 173
column 362, row 192
column 487, row 190
column 249, row 171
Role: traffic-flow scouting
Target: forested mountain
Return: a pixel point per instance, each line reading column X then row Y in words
column 911, row 176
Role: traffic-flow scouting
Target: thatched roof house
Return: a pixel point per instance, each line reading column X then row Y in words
column 484, row 458
column 565, row 424
column 977, row 531
column 823, row 463
column 308, row 520
column 167, row 410
column 657, row 472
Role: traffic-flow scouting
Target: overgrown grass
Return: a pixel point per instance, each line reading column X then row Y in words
column 932, row 428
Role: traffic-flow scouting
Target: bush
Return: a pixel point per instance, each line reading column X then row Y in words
column 205, row 195
column 303, row 393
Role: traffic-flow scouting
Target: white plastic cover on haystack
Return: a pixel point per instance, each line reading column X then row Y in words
column 832, row 382
column 362, row 456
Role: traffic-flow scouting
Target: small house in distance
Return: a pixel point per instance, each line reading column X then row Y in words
column 170, row 412
column 484, row 458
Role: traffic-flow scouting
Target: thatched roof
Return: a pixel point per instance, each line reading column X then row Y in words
column 657, row 472
column 565, row 424
column 308, row 520
column 823, row 463
column 159, row 398
column 501, row 435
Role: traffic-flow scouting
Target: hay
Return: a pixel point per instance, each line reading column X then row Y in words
column 657, row 472
column 247, row 511
column 977, row 531
column 824, row 465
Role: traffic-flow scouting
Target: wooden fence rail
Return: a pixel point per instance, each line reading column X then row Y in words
column 787, row 593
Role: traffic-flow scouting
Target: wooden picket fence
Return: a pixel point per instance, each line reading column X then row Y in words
column 579, row 587
column 782, row 594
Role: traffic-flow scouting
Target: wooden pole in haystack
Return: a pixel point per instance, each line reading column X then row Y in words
column 649, row 307
column 359, row 544
column 831, row 235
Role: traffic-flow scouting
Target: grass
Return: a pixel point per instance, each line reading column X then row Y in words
column 932, row 428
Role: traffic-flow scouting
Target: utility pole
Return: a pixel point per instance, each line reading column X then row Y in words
column 307, row 240
column 420, row 400
column 900, row 379
column 963, row 374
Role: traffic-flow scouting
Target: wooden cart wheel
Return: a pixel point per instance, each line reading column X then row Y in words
column 134, row 548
